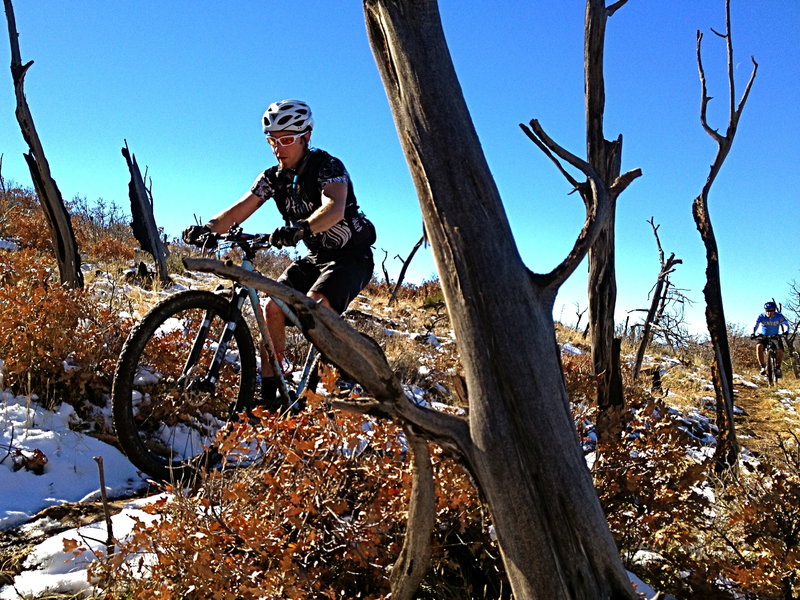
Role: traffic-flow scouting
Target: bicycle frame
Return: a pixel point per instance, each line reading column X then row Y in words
column 770, row 349
column 242, row 293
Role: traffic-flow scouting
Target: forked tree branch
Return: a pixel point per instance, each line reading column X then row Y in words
column 593, row 187
column 355, row 354
column 545, row 148
column 704, row 97
column 414, row 561
column 615, row 7
column 735, row 110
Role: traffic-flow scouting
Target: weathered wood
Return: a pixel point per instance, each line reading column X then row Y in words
column 606, row 157
column 522, row 448
column 415, row 556
column 144, row 225
column 65, row 246
column 406, row 263
column 658, row 301
column 722, row 371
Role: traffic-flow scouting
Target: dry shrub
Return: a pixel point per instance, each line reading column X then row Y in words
column 743, row 349
column 56, row 342
column 321, row 515
column 426, row 293
column 102, row 231
column 680, row 528
column 650, row 481
column 758, row 532
column 22, row 220
column 579, row 377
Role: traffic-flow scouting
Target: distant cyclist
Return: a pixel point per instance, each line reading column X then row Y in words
column 314, row 195
column 772, row 323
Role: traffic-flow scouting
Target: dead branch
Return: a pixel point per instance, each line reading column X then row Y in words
column 414, row 560
column 406, row 263
column 144, row 225
column 64, row 243
column 549, row 154
column 615, row 7
column 383, row 266
column 354, row 354
column 722, row 371
column 106, row 510
column 658, row 241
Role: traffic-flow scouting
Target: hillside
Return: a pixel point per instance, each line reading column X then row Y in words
column 336, row 523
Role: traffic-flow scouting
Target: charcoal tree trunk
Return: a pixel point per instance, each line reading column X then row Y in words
column 65, row 246
column 722, row 370
column 606, row 157
column 144, row 225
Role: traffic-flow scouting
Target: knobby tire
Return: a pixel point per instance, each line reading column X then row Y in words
column 166, row 428
column 771, row 372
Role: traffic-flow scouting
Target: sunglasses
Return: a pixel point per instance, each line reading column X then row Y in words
column 285, row 140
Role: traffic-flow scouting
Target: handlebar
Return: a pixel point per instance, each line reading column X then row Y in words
column 248, row 243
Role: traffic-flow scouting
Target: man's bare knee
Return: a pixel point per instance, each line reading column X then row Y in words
column 273, row 312
column 317, row 297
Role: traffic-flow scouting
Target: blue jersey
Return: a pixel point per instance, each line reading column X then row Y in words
column 771, row 325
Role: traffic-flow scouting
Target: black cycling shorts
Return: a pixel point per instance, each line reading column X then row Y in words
column 764, row 340
column 339, row 278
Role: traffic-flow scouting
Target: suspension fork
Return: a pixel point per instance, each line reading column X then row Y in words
column 209, row 382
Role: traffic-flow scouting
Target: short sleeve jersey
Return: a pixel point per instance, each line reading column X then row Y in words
column 297, row 195
column 770, row 325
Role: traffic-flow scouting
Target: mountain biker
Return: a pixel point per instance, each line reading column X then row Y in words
column 314, row 195
column 772, row 323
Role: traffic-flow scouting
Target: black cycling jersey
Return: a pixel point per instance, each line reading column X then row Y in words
column 298, row 193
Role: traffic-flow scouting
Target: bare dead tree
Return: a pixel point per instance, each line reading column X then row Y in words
column 660, row 293
column 65, row 246
column 401, row 277
column 793, row 305
column 579, row 314
column 606, row 159
column 722, row 374
column 383, row 266
column 518, row 439
column 144, row 225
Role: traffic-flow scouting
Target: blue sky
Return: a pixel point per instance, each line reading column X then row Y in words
column 185, row 83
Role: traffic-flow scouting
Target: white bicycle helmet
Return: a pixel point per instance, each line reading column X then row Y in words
column 288, row 115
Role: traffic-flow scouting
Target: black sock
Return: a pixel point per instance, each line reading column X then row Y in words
column 269, row 390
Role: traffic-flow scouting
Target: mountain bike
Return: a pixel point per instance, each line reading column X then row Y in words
column 189, row 368
column 771, row 355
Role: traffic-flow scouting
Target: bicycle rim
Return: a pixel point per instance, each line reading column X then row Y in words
column 166, row 412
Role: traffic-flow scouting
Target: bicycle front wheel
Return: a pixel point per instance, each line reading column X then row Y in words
column 167, row 406
column 771, row 368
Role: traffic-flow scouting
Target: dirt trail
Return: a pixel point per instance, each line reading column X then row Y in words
column 769, row 413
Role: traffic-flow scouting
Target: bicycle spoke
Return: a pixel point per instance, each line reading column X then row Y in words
column 170, row 403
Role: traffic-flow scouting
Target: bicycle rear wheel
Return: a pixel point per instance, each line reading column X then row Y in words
column 166, row 410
